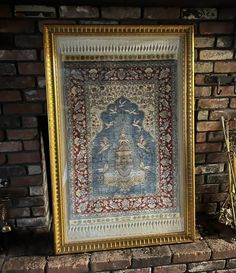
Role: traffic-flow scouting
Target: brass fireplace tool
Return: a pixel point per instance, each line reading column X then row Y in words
column 4, row 199
column 5, row 227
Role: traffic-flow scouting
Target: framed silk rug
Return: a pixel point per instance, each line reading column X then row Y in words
column 120, row 109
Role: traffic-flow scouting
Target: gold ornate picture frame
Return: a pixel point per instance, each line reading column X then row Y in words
column 121, row 129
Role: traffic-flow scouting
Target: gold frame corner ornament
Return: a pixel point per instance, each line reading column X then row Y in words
column 186, row 32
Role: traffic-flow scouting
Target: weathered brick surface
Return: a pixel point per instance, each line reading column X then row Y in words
column 201, row 42
column 200, row 137
column 199, row 13
column 216, row 157
column 24, row 264
column 217, row 178
column 221, row 249
column 170, row 268
column 161, row 13
column 136, row 270
column 79, row 12
column 209, row 168
column 112, row 260
column 35, row 95
column 5, row 11
column 203, row 67
column 226, row 113
column 193, row 252
column 216, row 54
column 153, row 256
column 206, row 266
column 10, row 82
column 34, row 11
column 224, row 41
column 19, row 212
column 121, row 12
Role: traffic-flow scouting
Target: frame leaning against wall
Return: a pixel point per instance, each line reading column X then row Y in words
column 121, row 127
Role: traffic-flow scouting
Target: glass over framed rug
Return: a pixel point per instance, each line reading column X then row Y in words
column 120, row 108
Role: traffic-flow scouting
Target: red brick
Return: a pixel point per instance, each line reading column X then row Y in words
column 31, row 68
column 34, row 180
column 31, row 145
column 7, row 82
column 207, row 188
column 68, row 264
column 201, row 137
column 23, row 108
column 16, row 26
column 225, row 67
column 19, row 212
column 216, row 27
column 38, row 211
column 200, row 158
column 8, row 171
column 14, row 192
column 161, row 13
column 202, row 91
column 216, row 157
column 233, row 103
column 110, row 260
column 8, row 122
column 19, row 158
column 35, row 95
column 29, row 122
column 2, row 159
column 6, row 96
column 18, row 55
column 200, row 179
column 208, row 147
column 24, row 264
column 10, row 146
column 5, row 11
column 205, row 126
column 193, row 252
column 203, row 115
column 22, row 133
column 213, row 103
column 215, row 136
column 200, row 79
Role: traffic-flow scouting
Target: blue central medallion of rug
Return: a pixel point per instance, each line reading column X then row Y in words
column 123, row 153
column 122, row 137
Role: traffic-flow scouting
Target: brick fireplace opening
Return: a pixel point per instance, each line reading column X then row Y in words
column 24, row 143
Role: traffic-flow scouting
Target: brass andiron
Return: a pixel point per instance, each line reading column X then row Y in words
column 5, row 227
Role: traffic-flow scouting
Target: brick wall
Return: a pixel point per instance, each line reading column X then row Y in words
column 22, row 95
